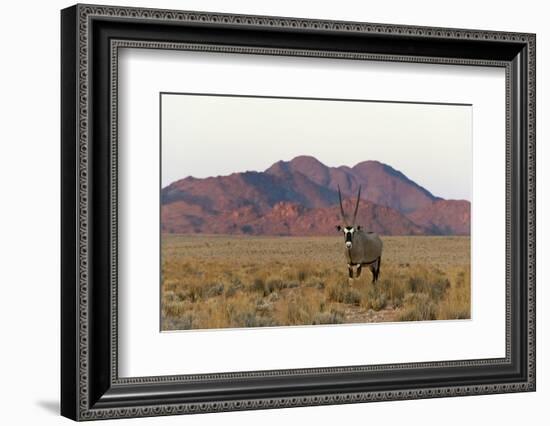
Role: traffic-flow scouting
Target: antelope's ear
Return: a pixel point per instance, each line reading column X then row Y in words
column 338, row 228
column 359, row 227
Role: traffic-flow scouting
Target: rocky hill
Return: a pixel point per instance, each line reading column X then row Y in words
column 300, row 197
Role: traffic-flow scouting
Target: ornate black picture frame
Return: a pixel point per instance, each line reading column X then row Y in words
column 91, row 36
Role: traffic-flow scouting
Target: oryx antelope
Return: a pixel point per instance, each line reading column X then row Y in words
column 362, row 248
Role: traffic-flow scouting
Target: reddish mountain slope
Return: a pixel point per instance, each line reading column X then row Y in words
column 287, row 219
column 300, row 197
column 444, row 217
column 262, row 190
column 380, row 183
column 389, row 187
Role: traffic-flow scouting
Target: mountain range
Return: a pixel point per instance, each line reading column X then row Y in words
column 300, row 197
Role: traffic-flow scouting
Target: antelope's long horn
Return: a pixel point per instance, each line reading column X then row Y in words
column 342, row 207
column 356, row 206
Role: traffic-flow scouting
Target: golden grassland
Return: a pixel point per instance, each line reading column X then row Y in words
column 231, row 281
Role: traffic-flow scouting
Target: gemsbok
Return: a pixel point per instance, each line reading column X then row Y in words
column 362, row 248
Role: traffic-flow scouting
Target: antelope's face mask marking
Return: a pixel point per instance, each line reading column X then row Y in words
column 348, row 235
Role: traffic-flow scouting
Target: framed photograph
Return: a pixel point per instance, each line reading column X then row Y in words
column 263, row 212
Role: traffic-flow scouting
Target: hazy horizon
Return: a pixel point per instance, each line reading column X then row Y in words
column 208, row 136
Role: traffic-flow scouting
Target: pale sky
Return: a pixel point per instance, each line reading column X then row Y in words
column 218, row 135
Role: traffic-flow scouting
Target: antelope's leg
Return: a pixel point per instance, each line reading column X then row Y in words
column 359, row 266
column 375, row 269
column 372, row 268
column 350, row 271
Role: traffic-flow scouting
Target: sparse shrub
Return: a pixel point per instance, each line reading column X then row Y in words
column 301, row 275
column 269, row 285
column 394, row 290
column 417, row 284
column 273, row 284
column 297, row 313
column 301, row 308
column 273, row 297
column 418, row 307
column 174, row 308
column 249, row 319
column 343, row 293
column 258, row 284
column 184, row 322
column 170, row 296
column 334, row 292
column 264, row 306
column 456, row 303
column 236, row 282
column 332, row 317
column 213, row 290
column 432, row 283
column 314, row 281
column 243, row 312
column 377, row 300
column 193, row 293
column 235, row 285
column 352, row 297
column 439, row 287
column 232, row 290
